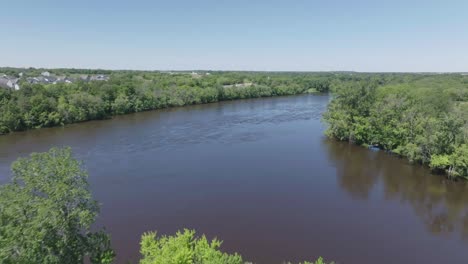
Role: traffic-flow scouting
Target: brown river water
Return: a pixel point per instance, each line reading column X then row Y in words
column 260, row 175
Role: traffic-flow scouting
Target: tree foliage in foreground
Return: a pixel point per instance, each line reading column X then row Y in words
column 423, row 119
column 183, row 248
column 46, row 213
column 186, row 248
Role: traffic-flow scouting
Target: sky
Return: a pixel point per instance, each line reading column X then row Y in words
column 357, row 35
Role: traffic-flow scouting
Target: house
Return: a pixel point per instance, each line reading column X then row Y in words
column 100, row 77
column 32, row 80
column 51, row 79
column 41, row 80
column 238, row 85
column 195, row 75
column 9, row 83
column 63, row 79
column 47, row 78
column 84, row 78
column 4, row 83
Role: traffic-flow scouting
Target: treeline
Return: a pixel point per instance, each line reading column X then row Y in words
column 32, row 72
column 37, row 105
column 423, row 118
column 46, row 214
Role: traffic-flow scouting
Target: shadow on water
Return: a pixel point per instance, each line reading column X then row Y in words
column 440, row 203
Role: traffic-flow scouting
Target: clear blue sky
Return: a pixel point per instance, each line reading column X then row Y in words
column 359, row 35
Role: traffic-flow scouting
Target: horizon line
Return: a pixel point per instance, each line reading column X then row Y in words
column 221, row 70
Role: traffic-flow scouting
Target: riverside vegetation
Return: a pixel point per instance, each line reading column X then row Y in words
column 421, row 117
column 47, row 210
column 46, row 105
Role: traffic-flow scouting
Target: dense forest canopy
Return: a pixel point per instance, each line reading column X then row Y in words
column 423, row 118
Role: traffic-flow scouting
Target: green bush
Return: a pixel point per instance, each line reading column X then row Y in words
column 186, row 248
column 183, row 248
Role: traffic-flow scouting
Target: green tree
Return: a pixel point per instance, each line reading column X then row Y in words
column 46, row 213
column 422, row 118
column 183, row 248
column 349, row 111
column 186, row 248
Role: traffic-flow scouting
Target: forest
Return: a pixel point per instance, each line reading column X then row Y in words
column 423, row 118
column 47, row 105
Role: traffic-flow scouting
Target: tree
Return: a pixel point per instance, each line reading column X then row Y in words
column 455, row 164
column 46, row 213
column 183, row 248
column 186, row 248
column 348, row 113
column 417, row 117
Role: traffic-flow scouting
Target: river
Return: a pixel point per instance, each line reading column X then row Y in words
column 260, row 175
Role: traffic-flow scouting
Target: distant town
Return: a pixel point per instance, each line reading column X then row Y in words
column 14, row 82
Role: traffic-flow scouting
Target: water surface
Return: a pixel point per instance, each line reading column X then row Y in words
column 260, row 175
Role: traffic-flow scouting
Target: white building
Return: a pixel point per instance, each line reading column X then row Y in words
column 9, row 83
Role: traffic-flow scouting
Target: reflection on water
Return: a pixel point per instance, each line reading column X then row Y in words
column 440, row 203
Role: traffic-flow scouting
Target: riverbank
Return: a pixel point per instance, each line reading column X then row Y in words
column 424, row 120
column 48, row 105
